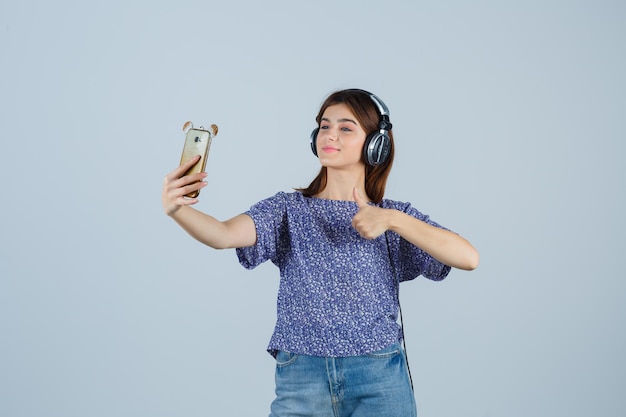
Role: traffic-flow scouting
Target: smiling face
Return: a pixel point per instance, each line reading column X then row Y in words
column 340, row 139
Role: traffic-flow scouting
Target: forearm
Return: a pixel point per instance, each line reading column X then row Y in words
column 445, row 246
column 236, row 232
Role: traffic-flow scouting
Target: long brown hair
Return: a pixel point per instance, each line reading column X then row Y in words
column 367, row 114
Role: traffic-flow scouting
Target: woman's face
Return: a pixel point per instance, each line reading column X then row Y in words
column 340, row 139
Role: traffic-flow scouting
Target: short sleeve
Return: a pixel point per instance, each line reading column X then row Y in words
column 411, row 261
column 269, row 217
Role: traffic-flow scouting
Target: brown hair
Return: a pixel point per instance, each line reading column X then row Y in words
column 367, row 114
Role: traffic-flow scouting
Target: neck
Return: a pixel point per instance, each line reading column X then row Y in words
column 340, row 185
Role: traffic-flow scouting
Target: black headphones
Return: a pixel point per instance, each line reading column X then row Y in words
column 377, row 144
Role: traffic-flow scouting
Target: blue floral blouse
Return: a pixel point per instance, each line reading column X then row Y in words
column 338, row 292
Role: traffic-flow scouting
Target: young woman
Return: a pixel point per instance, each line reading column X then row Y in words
column 342, row 250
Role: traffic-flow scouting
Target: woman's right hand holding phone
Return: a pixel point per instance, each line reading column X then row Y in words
column 176, row 185
column 234, row 233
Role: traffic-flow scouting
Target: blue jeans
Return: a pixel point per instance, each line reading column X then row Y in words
column 374, row 385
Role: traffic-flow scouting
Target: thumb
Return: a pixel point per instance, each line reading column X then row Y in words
column 359, row 200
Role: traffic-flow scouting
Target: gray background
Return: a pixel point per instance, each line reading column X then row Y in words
column 510, row 128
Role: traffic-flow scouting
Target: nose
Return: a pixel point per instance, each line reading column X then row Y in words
column 329, row 133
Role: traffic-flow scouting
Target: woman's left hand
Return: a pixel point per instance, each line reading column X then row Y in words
column 370, row 221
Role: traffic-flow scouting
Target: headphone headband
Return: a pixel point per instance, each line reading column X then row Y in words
column 383, row 110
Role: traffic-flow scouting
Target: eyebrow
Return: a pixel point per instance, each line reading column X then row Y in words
column 326, row 119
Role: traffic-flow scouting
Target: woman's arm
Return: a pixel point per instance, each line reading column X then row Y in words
column 236, row 232
column 445, row 246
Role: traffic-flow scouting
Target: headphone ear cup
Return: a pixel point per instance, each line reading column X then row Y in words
column 377, row 148
column 314, row 140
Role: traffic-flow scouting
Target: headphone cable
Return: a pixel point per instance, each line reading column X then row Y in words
column 397, row 279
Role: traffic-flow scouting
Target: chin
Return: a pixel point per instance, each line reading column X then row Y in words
column 342, row 166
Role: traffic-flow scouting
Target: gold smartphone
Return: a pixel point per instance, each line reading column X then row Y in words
column 197, row 142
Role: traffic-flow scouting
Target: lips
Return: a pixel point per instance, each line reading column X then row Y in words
column 330, row 149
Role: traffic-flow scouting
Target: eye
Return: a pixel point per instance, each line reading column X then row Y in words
column 324, row 127
column 346, row 129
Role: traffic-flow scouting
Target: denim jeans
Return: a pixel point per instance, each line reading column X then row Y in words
column 376, row 384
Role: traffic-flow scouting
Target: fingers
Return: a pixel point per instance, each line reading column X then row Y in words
column 368, row 229
column 173, row 196
column 178, row 179
column 190, row 188
column 359, row 200
column 365, row 228
column 185, row 180
column 185, row 185
column 180, row 170
column 369, row 221
column 176, row 185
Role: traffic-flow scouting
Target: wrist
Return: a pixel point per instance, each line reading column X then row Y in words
column 393, row 219
column 174, row 211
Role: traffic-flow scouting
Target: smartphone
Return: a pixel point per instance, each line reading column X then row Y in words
column 197, row 142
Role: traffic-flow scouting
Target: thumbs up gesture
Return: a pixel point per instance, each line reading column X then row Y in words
column 370, row 221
